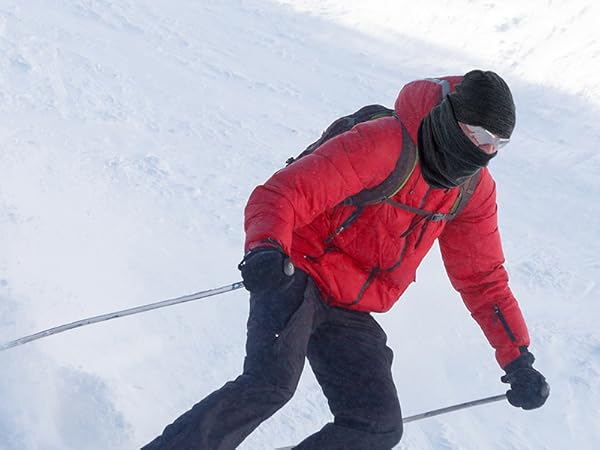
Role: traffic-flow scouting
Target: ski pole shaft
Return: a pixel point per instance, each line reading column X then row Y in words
column 437, row 412
column 123, row 313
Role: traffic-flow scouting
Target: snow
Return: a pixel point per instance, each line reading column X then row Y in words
column 131, row 135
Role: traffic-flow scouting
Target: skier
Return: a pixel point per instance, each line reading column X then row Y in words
column 352, row 261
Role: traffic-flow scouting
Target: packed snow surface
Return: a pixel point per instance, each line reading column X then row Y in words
column 131, row 135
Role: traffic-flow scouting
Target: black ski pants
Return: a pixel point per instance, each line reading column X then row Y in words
column 348, row 353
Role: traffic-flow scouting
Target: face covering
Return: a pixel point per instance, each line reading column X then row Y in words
column 447, row 156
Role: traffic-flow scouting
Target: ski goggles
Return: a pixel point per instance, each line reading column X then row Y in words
column 487, row 141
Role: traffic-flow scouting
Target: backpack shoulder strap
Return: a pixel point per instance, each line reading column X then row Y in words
column 395, row 181
column 444, row 85
column 404, row 167
column 466, row 191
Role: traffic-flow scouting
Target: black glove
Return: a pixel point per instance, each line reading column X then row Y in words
column 266, row 268
column 528, row 387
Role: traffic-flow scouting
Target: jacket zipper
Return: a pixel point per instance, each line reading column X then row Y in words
column 351, row 218
column 370, row 279
column 416, row 221
column 500, row 316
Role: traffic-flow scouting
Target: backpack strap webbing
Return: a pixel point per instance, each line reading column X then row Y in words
column 395, row 181
column 466, row 191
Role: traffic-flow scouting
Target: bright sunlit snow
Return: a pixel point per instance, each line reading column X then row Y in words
column 131, row 135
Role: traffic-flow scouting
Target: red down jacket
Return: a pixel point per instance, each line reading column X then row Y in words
column 369, row 265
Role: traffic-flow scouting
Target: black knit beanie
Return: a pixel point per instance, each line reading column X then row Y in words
column 484, row 99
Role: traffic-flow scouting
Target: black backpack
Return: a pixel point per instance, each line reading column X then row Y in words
column 399, row 176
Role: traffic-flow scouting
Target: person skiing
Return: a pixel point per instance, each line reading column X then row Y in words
column 317, row 266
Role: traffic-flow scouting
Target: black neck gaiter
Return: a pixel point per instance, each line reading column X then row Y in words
column 447, row 156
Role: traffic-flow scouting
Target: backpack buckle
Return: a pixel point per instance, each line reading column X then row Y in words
column 437, row 217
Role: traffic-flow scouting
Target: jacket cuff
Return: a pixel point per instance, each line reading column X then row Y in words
column 525, row 360
column 264, row 243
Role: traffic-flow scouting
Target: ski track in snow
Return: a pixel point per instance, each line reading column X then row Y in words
column 132, row 134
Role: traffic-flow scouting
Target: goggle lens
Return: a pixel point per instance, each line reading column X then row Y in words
column 483, row 137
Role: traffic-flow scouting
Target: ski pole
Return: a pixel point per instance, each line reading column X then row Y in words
column 123, row 313
column 437, row 412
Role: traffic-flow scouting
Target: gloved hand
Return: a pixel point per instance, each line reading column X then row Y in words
column 266, row 268
column 528, row 387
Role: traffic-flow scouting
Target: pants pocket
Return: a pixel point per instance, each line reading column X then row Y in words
column 299, row 327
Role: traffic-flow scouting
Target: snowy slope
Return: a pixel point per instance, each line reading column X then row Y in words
column 131, row 134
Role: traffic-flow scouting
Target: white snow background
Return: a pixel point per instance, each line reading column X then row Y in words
column 131, row 134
